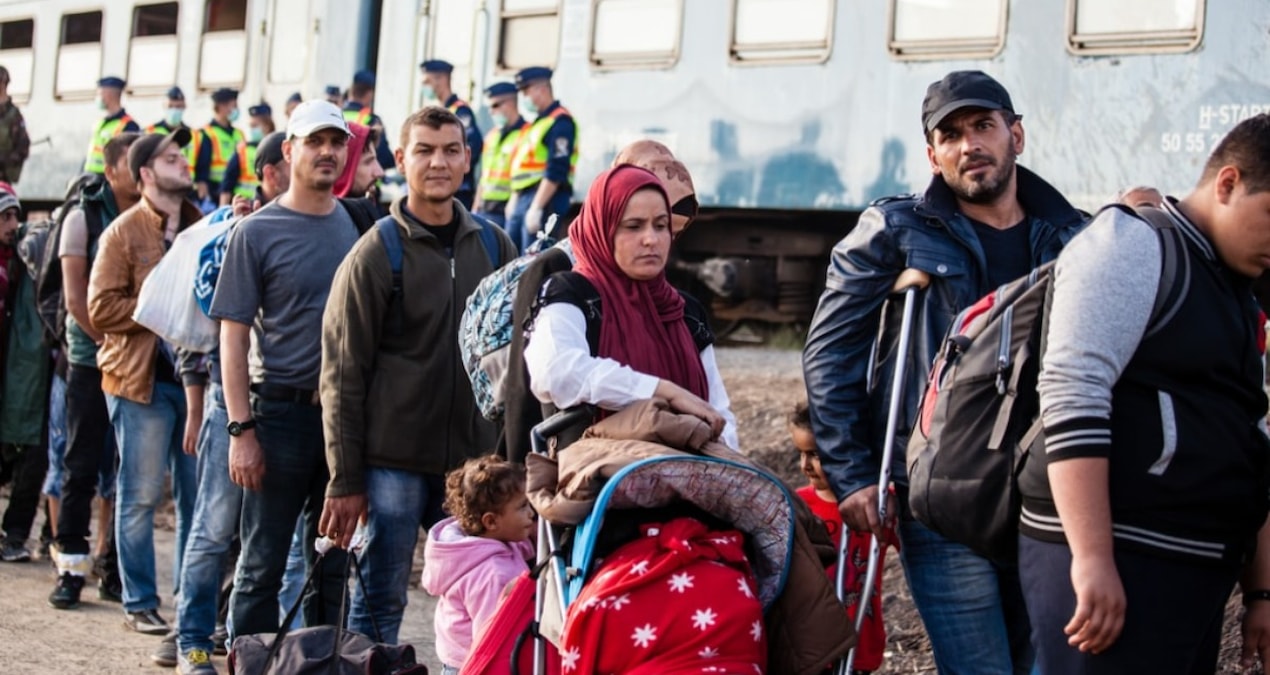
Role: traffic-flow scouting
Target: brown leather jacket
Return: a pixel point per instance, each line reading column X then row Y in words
column 127, row 251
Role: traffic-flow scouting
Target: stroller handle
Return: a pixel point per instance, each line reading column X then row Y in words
column 559, row 422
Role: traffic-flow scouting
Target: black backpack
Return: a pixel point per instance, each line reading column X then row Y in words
column 980, row 413
column 48, row 279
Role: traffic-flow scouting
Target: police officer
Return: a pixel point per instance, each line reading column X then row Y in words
column 544, row 161
column 240, row 176
column 495, row 188
column 292, row 101
column 436, row 86
column 117, row 121
column 361, row 96
column 173, row 119
column 216, row 143
column 333, row 94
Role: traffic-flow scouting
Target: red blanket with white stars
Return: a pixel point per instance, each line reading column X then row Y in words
column 679, row 599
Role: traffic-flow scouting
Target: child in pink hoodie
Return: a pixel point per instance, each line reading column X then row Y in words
column 473, row 555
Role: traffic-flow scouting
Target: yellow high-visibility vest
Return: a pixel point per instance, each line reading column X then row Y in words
column 496, row 163
column 106, row 130
column 224, row 145
column 247, row 180
column 529, row 162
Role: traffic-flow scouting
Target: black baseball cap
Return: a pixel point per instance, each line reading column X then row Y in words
column 269, row 152
column 144, row 148
column 962, row 89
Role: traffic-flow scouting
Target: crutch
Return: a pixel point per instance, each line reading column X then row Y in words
column 907, row 284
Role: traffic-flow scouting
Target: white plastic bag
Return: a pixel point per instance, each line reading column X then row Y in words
column 166, row 305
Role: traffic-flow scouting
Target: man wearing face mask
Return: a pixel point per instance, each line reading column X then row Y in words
column 495, row 188
column 173, row 119
column 214, row 144
column 240, row 179
column 116, row 121
column 436, row 86
column 544, row 163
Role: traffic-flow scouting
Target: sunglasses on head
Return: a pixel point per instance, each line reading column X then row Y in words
column 686, row 207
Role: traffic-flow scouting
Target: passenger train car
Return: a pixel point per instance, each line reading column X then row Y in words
column 791, row 114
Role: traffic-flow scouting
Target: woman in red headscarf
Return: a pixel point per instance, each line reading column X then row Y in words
column 613, row 330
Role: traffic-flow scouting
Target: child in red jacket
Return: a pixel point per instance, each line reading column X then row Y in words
column 868, row 652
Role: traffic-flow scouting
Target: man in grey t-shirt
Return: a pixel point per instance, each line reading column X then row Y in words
column 272, row 290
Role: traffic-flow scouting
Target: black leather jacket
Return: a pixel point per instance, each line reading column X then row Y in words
column 929, row 233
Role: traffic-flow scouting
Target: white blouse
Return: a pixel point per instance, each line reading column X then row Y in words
column 563, row 372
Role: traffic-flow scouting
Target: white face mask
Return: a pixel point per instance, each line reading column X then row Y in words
column 255, row 134
column 500, row 120
column 173, row 117
column 528, row 107
column 429, row 94
column 101, row 104
column 233, row 115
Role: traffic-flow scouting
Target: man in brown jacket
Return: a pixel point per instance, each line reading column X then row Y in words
column 397, row 409
column 144, row 397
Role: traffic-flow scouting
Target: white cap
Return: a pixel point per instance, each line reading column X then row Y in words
column 315, row 115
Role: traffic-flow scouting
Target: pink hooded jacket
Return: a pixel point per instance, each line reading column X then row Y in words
column 345, row 182
column 467, row 574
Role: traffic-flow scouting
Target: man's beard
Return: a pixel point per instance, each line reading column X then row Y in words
column 176, row 187
column 988, row 188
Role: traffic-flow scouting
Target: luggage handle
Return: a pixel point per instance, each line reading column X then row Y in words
column 556, row 423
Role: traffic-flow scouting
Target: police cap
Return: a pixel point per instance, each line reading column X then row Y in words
column 111, row 82
column 331, row 90
column 175, row 94
column 295, row 98
column 500, row 89
column 224, row 95
column 437, row 66
column 261, row 110
column 365, row 77
column 531, row 75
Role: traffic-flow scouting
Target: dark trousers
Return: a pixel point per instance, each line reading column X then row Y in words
column 89, row 447
column 28, row 462
column 290, row 436
column 1173, row 617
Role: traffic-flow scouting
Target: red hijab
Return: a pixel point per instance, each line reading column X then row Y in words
column 643, row 323
column 355, row 142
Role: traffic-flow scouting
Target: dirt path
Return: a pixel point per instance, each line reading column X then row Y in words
column 763, row 385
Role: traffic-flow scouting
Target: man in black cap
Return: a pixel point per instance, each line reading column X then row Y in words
column 983, row 221
column 436, row 86
column 357, row 110
column 240, row 176
column 173, row 119
column 544, row 163
column 214, row 144
column 138, row 374
column 117, row 121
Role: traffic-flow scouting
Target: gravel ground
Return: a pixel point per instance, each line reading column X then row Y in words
column 763, row 383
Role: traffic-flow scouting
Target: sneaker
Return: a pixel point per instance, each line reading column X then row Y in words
column 165, row 655
column 15, row 551
column 219, row 637
column 146, row 621
column 66, row 594
column 196, row 662
column 110, row 589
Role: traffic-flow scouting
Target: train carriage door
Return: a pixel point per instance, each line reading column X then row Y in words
column 222, row 58
column 455, row 37
column 290, row 35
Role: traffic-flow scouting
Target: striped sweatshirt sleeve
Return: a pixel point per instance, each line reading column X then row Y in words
column 1105, row 283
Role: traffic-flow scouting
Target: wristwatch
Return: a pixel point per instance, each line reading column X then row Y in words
column 236, row 429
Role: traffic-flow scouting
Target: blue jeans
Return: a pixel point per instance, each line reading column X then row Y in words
column 290, row 435
column 57, row 449
column 293, row 578
column 216, row 514
column 972, row 609
column 149, row 438
column 515, row 227
column 399, row 502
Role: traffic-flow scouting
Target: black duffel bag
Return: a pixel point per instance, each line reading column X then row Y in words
column 321, row 650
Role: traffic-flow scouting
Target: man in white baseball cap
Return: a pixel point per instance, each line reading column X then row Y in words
column 315, row 115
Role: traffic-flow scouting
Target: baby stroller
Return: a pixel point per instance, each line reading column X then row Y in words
column 585, row 505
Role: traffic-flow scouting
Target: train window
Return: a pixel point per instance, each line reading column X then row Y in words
column 1130, row 26
column 152, row 52
column 289, row 41
column 222, row 54
column 79, row 55
column 636, row 32
column 920, row 29
column 529, row 34
column 781, row 30
column 17, row 38
column 453, row 36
